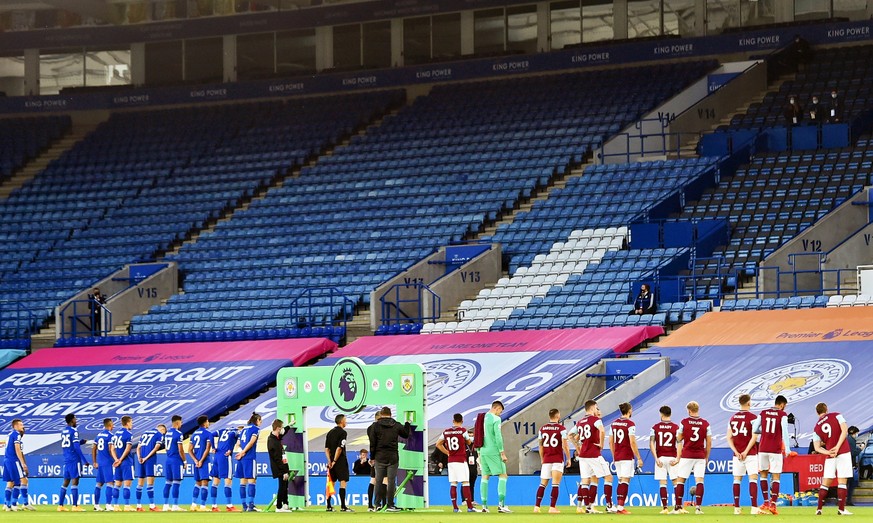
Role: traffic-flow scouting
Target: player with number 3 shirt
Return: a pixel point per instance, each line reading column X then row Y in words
column 695, row 437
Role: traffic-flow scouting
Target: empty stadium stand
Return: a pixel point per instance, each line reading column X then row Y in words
column 23, row 138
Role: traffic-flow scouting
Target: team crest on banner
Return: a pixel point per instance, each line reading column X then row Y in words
column 407, row 383
column 291, row 388
column 797, row 381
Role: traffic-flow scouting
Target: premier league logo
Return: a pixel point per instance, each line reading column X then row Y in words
column 348, row 385
column 797, row 382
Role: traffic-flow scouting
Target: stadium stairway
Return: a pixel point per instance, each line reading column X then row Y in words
column 35, row 166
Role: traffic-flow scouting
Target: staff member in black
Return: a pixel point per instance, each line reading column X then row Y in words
column 95, row 304
column 384, row 448
column 372, row 492
column 645, row 302
column 279, row 465
column 337, row 463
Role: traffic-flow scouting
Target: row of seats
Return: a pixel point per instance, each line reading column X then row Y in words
column 335, row 334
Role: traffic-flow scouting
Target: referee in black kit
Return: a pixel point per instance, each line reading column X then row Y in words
column 337, row 463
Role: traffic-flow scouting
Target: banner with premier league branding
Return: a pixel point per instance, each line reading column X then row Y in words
column 807, row 355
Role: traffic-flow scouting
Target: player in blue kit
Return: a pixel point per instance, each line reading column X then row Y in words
column 149, row 443
column 122, row 440
column 225, row 443
column 246, row 462
column 175, row 465
column 199, row 449
column 103, row 456
column 73, row 461
column 15, row 469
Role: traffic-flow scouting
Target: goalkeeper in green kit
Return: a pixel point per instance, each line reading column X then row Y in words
column 492, row 458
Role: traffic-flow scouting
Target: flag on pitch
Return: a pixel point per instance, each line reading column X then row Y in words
column 330, row 490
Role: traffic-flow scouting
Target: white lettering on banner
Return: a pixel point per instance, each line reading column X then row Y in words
column 208, row 93
column 675, row 49
column 361, row 80
column 434, row 73
column 590, row 58
column 849, row 32
column 521, row 65
column 286, row 88
column 757, row 41
column 131, row 99
column 37, row 104
column 23, row 379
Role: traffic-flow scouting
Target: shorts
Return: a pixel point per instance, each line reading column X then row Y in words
column 222, row 467
column 687, row 466
column 625, row 468
column 202, row 473
column 661, row 473
column 12, row 471
column 838, row 467
column 748, row 466
column 174, row 471
column 340, row 470
column 547, row 469
column 245, row 469
column 124, row 472
column 770, row 462
column 459, row 473
column 147, row 469
column 593, row 467
column 72, row 470
column 492, row 465
column 104, row 473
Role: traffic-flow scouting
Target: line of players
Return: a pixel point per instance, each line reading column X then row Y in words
column 759, row 443
column 119, row 459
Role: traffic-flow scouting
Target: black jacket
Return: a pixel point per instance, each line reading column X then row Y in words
column 384, row 438
column 276, row 450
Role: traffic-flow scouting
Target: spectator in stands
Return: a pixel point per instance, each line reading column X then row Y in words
column 835, row 111
column 852, row 437
column 645, row 302
column 362, row 465
column 801, row 51
column 793, row 112
column 95, row 302
column 816, row 112
column 279, row 465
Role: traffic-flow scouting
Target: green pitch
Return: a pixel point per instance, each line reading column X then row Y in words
column 439, row 514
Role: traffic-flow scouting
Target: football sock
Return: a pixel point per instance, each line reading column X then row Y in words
column 774, row 491
column 213, row 494
column 621, row 494
column 62, row 495
column 698, row 494
column 25, row 500
column 204, row 493
column 607, row 492
column 251, row 488
column 822, row 496
column 592, row 493
column 467, row 496
column 541, row 491
column 228, row 494
column 765, row 490
column 737, row 492
column 74, row 492
column 150, row 492
column 8, row 496
column 453, row 495
column 126, row 495
column 554, row 500
column 342, row 494
column 242, row 496
column 370, row 490
column 196, row 494
column 664, row 496
column 116, row 495
column 582, row 495
column 501, row 491
column 138, row 495
column 842, row 494
column 177, row 486
column 483, row 491
column 753, row 492
column 97, row 491
column 16, row 493
column 167, row 487
column 679, row 492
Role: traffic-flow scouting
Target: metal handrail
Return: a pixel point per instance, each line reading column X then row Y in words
column 80, row 328
column 337, row 298
column 422, row 292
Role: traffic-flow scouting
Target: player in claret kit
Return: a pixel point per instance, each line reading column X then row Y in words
column 15, row 469
column 222, row 466
column 124, row 465
column 73, row 461
column 742, row 438
column 662, row 442
column 695, row 439
column 623, row 444
column 772, row 445
column 554, row 453
column 149, row 443
column 453, row 443
column 588, row 436
column 198, row 449
column 174, row 468
column 246, row 463
column 831, row 439
column 103, row 456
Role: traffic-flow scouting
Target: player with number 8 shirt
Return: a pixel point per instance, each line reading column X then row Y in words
column 554, row 453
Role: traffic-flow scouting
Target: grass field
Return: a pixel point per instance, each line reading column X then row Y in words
column 439, row 514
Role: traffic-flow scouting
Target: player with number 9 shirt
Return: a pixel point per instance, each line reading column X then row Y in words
column 831, row 439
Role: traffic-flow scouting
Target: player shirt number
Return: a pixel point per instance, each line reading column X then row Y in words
column 146, row 439
column 551, row 440
column 224, row 436
column 665, row 439
column 117, row 442
column 738, row 428
column 65, row 441
column 101, row 444
column 770, row 425
column 196, row 441
column 826, row 428
column 454, row 444
column 619, row 435
column 695, row 434
column 585, row 431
